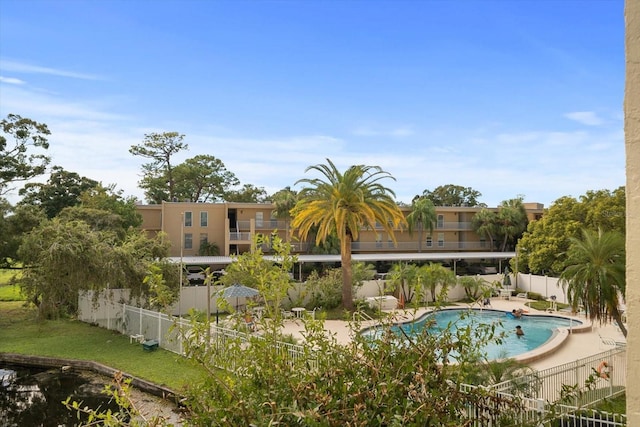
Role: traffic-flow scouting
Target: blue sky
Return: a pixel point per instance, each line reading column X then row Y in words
column 507, row 97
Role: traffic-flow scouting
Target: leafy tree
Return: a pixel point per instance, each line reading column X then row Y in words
column 453, row 195
column 106, row 199
column 485, row 223
column 605, row 209
column 248, row 193
column 325, row 290
column 203, row 178
column 594, row 275
column 343, row 203
column 158, row 180
column 544, row 246
column 62, row 189
column 329, row 246
column 422, row 216
column 63, row 257
column 14, row 224
column 271, row 279
column 60, row 259
column 97, row 219
column 20, row 159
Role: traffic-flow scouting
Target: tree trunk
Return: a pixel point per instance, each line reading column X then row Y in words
column 618, row 318
column 347, row 273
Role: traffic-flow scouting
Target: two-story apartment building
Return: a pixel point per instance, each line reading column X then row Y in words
column 232, row 227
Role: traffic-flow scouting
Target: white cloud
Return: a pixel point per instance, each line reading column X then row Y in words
column 43, row 106
column 11, row 80
column 399, row 132
column 21, row 67
column 588, row 118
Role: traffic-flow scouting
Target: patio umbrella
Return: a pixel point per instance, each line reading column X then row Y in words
column 237, row 291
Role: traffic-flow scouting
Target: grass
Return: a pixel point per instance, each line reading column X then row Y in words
column 10, row 293
column 544, row 305
column 21, row 332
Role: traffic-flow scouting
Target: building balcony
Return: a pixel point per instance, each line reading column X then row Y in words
column 459, row 225
column 240, row 237
column 453, row 226
column 413, row 246
column 270, row 224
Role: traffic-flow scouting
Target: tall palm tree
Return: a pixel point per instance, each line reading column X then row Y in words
column 343, row 203
column 284, row 200
column 422, row 216
column 595, row 274
column 438, row 275
column 485, row 224
column 402, row 277
column 511, row 221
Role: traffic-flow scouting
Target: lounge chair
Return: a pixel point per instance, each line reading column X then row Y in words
column 609, row 342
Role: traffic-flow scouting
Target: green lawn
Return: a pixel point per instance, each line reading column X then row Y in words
column 20, row 332
column 10, row 293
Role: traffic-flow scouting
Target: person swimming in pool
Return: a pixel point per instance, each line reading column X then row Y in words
column 516, row 313
column 519, row 331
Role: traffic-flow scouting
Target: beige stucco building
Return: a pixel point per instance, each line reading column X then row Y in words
column 632, row 145
column 232, row 227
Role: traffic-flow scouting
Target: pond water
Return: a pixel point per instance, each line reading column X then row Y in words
column 33, row 397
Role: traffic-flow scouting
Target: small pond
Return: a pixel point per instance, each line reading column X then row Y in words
column 33, row 396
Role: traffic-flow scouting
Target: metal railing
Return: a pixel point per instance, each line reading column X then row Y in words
column 597, row 377
column 414, row 246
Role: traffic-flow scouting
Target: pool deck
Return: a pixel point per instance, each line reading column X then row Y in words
column 563, row 348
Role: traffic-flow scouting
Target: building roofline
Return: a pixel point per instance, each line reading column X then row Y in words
column 372, row 257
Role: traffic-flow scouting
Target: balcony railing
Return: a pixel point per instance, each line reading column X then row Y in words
column 453, row 226
column 413, row 246
column 270, row 224
column 236, row 236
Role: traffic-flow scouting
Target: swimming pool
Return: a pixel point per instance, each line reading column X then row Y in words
column 538, row 329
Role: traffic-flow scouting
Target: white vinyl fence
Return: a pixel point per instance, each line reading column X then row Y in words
column 106, row 310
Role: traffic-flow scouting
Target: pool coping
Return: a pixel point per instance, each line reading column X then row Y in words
column 552, row 345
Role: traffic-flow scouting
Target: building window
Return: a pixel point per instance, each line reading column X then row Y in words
column 483, row 242
column 378, row 240
column 440, row 221
column 188, row 219
column 204, row 219
column 204, row 238
column 259, row 219
column 188, row 241
column 429, row 241
column 441, row 240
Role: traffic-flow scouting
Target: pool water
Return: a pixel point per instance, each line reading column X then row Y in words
column 537, row 329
